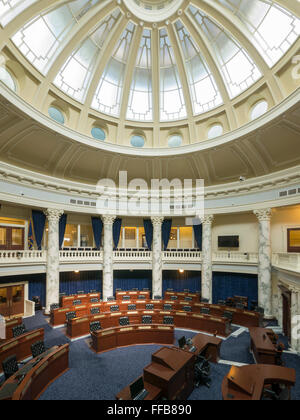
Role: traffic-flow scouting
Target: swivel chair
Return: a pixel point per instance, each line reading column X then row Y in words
column 10, row 366
column 202, row 372
column 37, row 348
column 18, row 330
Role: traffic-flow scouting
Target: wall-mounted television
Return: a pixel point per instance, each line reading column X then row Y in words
column 228, row 241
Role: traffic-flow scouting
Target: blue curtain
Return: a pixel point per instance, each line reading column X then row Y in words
column 188, row 280
column 137, row 279
column 62, row 229
column 39, row 220
column 166, row 231
column 198, row 235
column 97, row 225
column 36, row 284
column 85, row 281
column 226, row 285
column 116, row 232
column 148, row 232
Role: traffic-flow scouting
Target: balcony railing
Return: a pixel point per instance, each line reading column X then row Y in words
column 235, row 257
column 289, row 261
column 188, row 256
column 22, row 257
column 139, row 255
column 82, row 256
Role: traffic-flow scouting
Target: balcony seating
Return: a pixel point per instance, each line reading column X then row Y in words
column 95, row 326
column 95, row 311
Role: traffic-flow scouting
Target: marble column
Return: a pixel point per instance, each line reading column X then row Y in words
column 264, row 261
column 207, row 271
column 157, row 256
column 108, row 269
column 52, row 279
column 295, row 318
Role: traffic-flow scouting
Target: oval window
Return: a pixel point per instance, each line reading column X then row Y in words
column 137, row 141
column 98, row 133
column 215, row 131
column 175, row 141
column 56, row 115
column 259, row 109
column 7, row 79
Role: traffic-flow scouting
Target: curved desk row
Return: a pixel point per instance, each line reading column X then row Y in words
column 85, row 299
column 9, row 325
column 112, row 338
column 30, row 381
column 195, row 297
column 20, row 346
column 133, row 295
column 80, row 327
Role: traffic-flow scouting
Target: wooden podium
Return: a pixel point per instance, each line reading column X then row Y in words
column 171, row 370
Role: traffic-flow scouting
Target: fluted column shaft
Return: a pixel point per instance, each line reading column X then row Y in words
column 264, row 261
column 157, row 256
column 52, row 277
column 108, row 269
column 207, row 257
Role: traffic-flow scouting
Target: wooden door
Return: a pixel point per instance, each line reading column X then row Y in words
column 11, row 238
column 12, row 300
column 286, row 312
column 4, row 301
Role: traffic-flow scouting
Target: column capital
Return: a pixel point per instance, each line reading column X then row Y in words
column 53, row 215
column 157, row 220
column 207, row 220
column 108, row 219
column 263, row 215
column 294, row 289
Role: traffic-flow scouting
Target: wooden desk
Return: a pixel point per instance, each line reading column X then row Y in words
column 248, row 382
column 264, row 350
column 39, row 373
column 85, row 298
column 154, row 392
column 208, row 347
column 10, row 324
column 112, row 338
column 133, row 295
column 20, row 346
column 195, row 297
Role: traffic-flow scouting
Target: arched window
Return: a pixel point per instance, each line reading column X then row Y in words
column 215, row 130
column 98, row 133
column 137, row 141
column 175, row 140
column 7, row 79
column 259, row 109
column 56, row 115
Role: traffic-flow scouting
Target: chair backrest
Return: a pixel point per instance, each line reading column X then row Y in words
column 228, row 315
column 167, row 307
column 80, row 292
column 10, row 366
column 76, row 302
column 174, row 297
column 124, row 320
column 203, row 300
column 146, row 319
column 70, row 315
column 54, row 306
column 110, row 299
column 95, row 326
column 186, row 290
column 205, row 311
column 126, row 297
column 93, row 291
column 239, row 305
column 157, row 297
column 187, row 308
column 18, row 330
column 141, row 297
column 168, row 320
column 222, row 302
column 170, row 290
column 114, row 308
column 135, row 289
column 95, row 311
column 37, row 348
column 118, row 290
column 146, row 289
column 149, row 306
column 131, row 307
column 94, row 300
column 188, row 298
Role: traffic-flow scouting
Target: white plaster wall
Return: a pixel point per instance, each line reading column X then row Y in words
column 283, row 219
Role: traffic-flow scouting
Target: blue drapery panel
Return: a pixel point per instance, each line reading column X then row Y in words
column 198, row 235
column 116, row 232
column 188, row 280
column 36, row 284
column 97, row 225
column 226, row 285
column 39, row 220
column 62, row 229
column 166, row 231
column 85, row 281
column 148, row 232
column 137, row 279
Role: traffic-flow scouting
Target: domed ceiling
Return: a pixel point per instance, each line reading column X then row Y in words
column 152, row 60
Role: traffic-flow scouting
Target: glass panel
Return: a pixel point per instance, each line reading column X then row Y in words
column 294, row 239
column 259, row 109
column 9, row 9
column 17, row 293
column 186, row 237
column 56, row 115
column 3, row 236
column 173, row 239
column 70, row 239
column 17, row 237
column 172, row 105
column 142, row 238
column 215, row 131
column 175, row 141
column 7, row 79
column 108, row 95
column 238, row 69
column 140, row 96
column 130, row 237
column 137, row 141
column 203, row 89
column 3, row 296
column 98, row 133
column 260, row 17
column 86, row 236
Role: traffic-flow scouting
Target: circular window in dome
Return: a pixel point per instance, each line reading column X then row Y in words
column 98, row 133
column 56, row 115
column 137, row 141
column 215, row 131
column 7, row 79
column 259, row 109
column 175, row 140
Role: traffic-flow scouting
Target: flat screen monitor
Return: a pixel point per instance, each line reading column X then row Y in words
column 182, row 342
column 136, row 388
column 228, row 241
